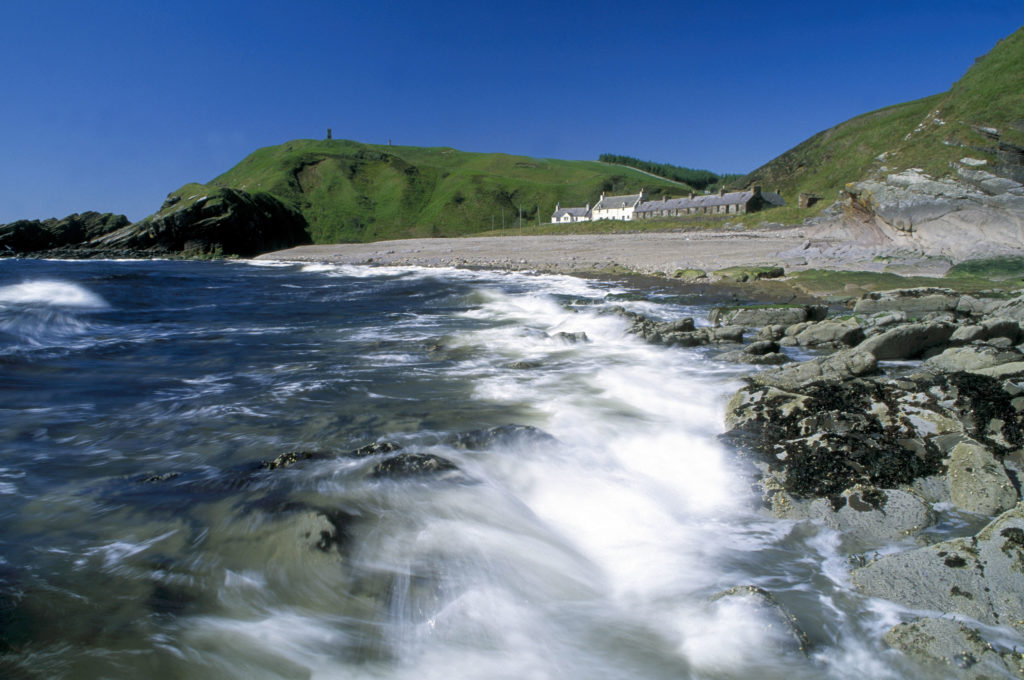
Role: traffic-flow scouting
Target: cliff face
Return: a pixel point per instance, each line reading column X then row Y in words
column 223, row 222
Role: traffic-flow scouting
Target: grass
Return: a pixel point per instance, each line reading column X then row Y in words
column 352, row 192
column 828, row 282
column 930, row 133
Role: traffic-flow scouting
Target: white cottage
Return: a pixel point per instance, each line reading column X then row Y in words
column 566, row 215
column 616, row 207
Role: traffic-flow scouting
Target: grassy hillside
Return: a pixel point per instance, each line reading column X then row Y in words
column 928, row 133
column 349, row 191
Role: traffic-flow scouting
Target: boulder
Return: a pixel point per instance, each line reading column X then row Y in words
column 978, row 482
column 948, row 646
column 970, row 358
column 840, row 365
column 758, row 317
column 762, row 609
column 907, row 342
column 979, row 576
column 988, row 329
column 831, row 334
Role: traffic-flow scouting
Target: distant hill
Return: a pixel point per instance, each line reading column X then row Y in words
column 981, row 116
column 352, row 192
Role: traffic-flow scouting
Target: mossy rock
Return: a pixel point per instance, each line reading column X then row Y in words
column 744, row 274
column 689, row 274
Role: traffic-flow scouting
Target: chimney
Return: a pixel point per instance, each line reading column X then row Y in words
column 558, row 206
column 328, row 134
column 756, row 189
column 693, row 195
column 721, row 192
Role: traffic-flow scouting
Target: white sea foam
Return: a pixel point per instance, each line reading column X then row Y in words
column 52, row 294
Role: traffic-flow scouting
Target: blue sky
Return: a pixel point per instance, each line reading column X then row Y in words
column 110, row 105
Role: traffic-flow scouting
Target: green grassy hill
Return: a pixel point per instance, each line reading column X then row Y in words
column 350, row 192
column 928, row 133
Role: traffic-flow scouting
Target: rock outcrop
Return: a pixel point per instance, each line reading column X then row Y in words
column 227, row 221
column 976, row 214
column 31, row 236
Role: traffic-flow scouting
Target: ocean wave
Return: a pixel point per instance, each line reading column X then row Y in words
column 50, row 294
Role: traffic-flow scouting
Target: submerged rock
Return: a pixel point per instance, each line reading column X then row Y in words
column 764, row 610
column 408, row 465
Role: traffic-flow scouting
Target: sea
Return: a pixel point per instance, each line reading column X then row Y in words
column 258, row 469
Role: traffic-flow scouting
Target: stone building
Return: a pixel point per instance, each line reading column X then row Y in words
column 566, row 215
column 617, row 207
column 722, row 203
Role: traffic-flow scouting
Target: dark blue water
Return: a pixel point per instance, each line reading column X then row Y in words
column 464, row 491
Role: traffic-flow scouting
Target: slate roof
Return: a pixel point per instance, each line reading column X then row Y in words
column 575, row 212
column 613, row 202
column 708, row 201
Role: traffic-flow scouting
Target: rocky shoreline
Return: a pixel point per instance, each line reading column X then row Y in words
column 912, row 413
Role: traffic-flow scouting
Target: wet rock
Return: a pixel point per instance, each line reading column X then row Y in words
column 411, row 465
column 952, row 647
column 773, row 619
column 970, row 358
column 907, row 342
column 503, row 435
column 682, row 332
column 978, row 482
column 761, row 348
column 846, row 333
column 871, row 518
column 571, row 338
column 980, row 576
column 840, row 365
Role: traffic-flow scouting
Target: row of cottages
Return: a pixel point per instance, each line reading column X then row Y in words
column 634, row 207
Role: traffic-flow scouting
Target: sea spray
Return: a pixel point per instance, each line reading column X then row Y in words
column 481, row 475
